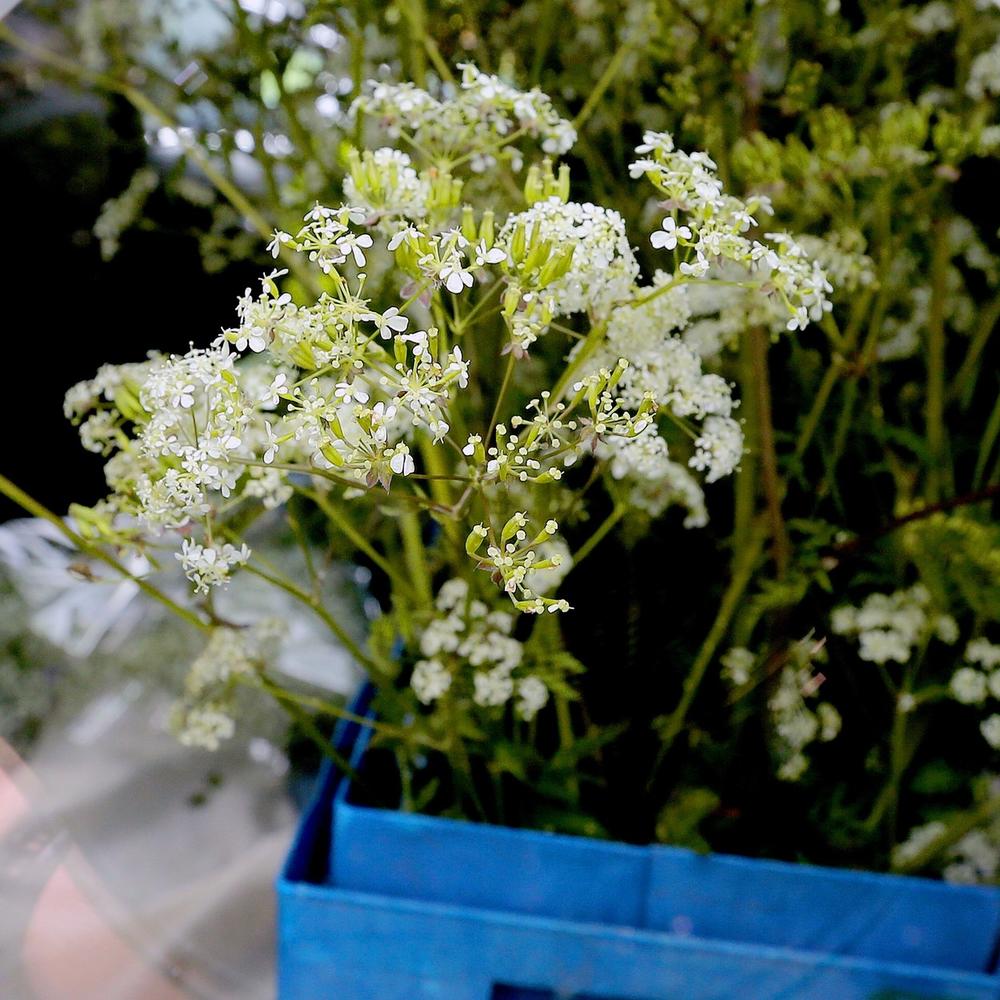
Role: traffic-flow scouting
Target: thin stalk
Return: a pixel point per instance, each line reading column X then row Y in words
column 965, row 381
column 504, row 386
column 595, row 539
column 590, row 344
column 343, row 524
column 439, row 480
column 36, row 509
column 770, row 478
column 564, row 721
column 816, row 410
column 990, row 435
column 339, row 712
column 289, row 703
column 742, row 575
column 303, row 596
column 415, row 556
column 303, row 543
column 607, row 78
column 934, row 412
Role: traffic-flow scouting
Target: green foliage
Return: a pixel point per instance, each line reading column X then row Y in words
column 856, row 558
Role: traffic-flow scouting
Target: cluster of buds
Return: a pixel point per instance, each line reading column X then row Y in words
column 542, row 183
column 511, row 559
column 608, row 416
column 510, row 458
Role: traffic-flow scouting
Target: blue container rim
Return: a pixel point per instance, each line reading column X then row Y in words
column 361, row 735
column 312, row 841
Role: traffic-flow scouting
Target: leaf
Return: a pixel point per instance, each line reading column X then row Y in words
column 680, row 818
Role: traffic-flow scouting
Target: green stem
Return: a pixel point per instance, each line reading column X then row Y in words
column 439, row 479
column 595, row 539
column 339, row 712
column 819, row 405
column 936, row 441
column 965, row 381
column 289, row 703
column 990, row 435
column 504, row 385
column 742, row 574
column 607, row 78
column 303, row 596
column 36, row 509
column 415, row 556
column 590, row 344
column 343, row 524
column 953, row 833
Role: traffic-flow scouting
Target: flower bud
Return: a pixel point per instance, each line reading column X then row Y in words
column 468, row 224
column 486, row 229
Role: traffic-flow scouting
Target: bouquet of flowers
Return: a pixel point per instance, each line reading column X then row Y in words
column 518, row 408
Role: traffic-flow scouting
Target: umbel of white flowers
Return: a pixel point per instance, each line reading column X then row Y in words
column 355, row 385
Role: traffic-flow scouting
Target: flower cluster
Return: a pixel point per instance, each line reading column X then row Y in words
column 514, row 562
column 205, row 715
column 603, row 267
column 977, row 678
column 714, row 229
column 889, row 627
column 467, row 641
column 483, row 117
column 798, row 717
column 352, row 392
column 384, row 183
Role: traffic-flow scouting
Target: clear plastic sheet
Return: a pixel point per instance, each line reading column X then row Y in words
column 131, row 866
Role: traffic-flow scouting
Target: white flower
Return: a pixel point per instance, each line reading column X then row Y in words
column 272, row 396
column 737, row 663
column 603, row 268
column 350, row 392
column 532, row 695
column 719, row 448
column 255, row 338
column 485, row 256
column 882, row 645
column 968, row 686
column 271, row 443
column 183, row 396
column 666, row 238
column 404, row 234
column 454, row 276
column 278, row 240
column 402, row 462
column 203, row 726
column 430, row 680
column 355, row 244
column 696, row 268
column 990, row 728
column 946, row 629
column 390, row 322
column 494, row 687
column 983, row 652
column 208, row 566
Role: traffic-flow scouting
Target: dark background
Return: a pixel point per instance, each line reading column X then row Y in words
column 66, row 311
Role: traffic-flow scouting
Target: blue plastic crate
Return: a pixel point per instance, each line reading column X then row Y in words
column 381, row 905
